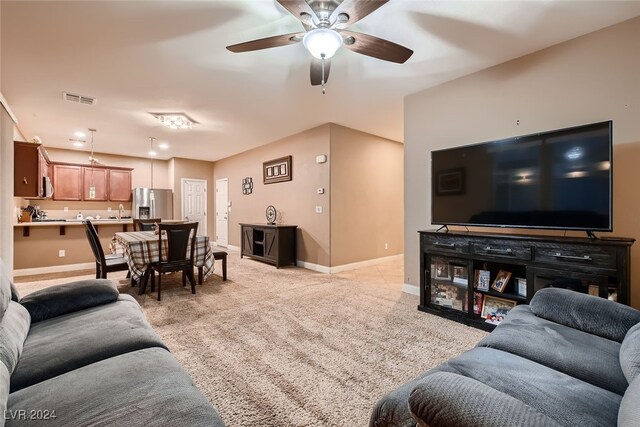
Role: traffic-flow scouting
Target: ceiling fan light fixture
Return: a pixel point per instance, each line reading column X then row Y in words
column 322, row 43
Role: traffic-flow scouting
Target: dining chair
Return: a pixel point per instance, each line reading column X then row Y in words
column 104, row 263
column 145, row 224
column 180, row 256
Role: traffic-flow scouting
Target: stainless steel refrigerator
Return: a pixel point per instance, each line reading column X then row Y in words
column 152, row 203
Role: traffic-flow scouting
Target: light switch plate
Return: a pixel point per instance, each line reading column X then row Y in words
column 321, row 158
column 320, row 190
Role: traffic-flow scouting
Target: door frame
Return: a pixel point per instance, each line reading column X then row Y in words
column 206, row 195
column 226, row 179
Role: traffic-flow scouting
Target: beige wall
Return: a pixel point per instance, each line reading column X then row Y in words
column 195, row 169
column 592, row 78
column 6, row 189
column 295, row 200
column 366, row 196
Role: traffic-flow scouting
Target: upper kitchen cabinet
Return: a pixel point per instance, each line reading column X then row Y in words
column 120, row 185
column 98, row 177
column 67, row 182
column 30, row 170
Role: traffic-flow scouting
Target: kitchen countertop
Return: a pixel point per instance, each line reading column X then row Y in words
column 73, row 222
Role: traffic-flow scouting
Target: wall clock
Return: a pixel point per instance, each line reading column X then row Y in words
column 271, row 215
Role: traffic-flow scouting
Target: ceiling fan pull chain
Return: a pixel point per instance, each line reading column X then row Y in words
column 323, row 56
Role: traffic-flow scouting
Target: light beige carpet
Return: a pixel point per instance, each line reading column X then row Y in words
column 292, row 347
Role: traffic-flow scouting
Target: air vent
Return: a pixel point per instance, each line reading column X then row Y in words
column 80, row 99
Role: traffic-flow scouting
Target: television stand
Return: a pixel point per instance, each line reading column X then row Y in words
column 467, row 276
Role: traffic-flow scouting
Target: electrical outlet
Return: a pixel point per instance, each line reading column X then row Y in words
column 386, row 246
column 61, row 253
column 66, row 209
column 318, row 209
column 109, row 210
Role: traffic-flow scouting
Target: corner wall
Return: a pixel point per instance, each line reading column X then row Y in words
column 592, row 78
column 295, row 200
column 367, row 205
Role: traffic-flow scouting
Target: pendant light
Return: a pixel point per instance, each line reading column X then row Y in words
column 92, row 187
column 152, row 153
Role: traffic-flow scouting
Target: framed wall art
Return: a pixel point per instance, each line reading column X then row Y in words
column 247, row 185
column 277, row 170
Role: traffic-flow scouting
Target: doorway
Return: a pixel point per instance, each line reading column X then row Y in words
column 194, row 202
column 222, row 212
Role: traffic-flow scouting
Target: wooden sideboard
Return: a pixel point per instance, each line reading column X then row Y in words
column 273, row 244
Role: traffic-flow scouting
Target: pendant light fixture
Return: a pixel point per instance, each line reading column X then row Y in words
column 92, row 187
column 152, row 153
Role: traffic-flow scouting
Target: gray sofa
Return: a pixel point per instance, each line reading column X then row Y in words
column 567, row 359
column 82, row 354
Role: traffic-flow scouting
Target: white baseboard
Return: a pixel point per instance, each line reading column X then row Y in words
column 367, row 263
column 411, row 289
column 53, row 269
column 347, row 267
column 315, row 267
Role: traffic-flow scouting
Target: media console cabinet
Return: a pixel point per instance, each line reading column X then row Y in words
column 458, row 270
column 273, row 244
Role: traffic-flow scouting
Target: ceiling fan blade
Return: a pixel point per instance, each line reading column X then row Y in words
column 376, row 47
column 301, row 10
column 355, row 10
column 266, row 43
column 316, row 71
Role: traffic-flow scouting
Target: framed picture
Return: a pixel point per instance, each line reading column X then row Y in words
column 459, row 274
column 495, row 309
column 522, row 286
column 478, row 298
column 247, row 185
column 277, row 170
column 500, row 283
column 450, row 182
column 442, row 270
column 482, row 280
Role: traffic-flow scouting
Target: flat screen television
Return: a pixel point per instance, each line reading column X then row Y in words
column 560, row 179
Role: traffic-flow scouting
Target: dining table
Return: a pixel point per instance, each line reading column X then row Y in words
column 140, row 248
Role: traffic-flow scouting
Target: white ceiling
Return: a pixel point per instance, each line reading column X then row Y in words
column 141, row 56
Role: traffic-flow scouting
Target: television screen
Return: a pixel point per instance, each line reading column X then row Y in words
column 559, row 179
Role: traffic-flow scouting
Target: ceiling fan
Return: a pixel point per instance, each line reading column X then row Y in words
column 324, row 22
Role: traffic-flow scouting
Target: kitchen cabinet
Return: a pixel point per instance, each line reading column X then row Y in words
column 72, row 181
column 30, row 167
column 99, row 177
column 120, row 185
column 67, row 182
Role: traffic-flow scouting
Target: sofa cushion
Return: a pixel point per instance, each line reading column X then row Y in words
column 138, row 389
column 630, row 354
column 62, row 299
column 14, row 327
column 4, row 393
column 590, row 358
column 629, row 413
column 68, row 342
column 567, row 400
column 588, row 313
column 446, row 399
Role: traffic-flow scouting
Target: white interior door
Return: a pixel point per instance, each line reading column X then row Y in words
column 194, row 202
column 222, row 212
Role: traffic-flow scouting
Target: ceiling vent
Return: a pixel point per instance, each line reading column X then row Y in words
column 79, row 99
